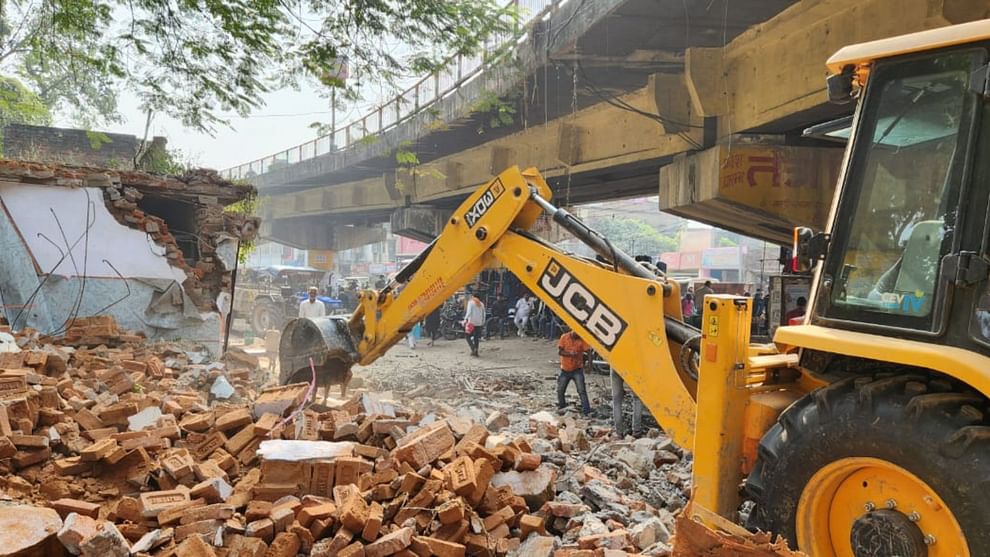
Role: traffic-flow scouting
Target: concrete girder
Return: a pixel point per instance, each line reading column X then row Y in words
column 777, row 69
column 419, row 223
column 318, row 233
column 674, row 103
column 760, row 190
column 597, row 137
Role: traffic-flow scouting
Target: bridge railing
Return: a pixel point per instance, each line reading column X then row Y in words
column 456, row 72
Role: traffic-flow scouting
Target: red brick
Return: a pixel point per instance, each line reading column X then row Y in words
column 207, row 512
column 173, row 515
column 308, row 514
column 65, row 506
column 347, row 470
column 98, row 450
column 425, row 445
column 194, row 546
column 353, row 550
column 460, row 476
column 442, row 548
column 374, row 523
column 286, row 544
column 321, row 480
column 390, row 544
column 154, row 502
column 233, row 419
column 528, row 461
column 263, row 529
column 450, row 512
column 354, row 512
column 529, row 523
column 257, row 510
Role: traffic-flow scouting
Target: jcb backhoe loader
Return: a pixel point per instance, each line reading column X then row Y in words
column 862, row 432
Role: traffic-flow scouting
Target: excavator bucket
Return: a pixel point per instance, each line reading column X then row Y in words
column 325, row 340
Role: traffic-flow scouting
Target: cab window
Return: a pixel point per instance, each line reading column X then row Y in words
column 900, row 199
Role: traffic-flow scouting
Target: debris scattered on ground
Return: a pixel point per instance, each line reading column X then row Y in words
column 111, row 445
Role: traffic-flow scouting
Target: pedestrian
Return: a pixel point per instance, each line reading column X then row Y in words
column 311, row 307
column 618, row 395
column 433, row 325
column 572, row 348
column 380, row 283
column 474, row 321
column 798, row 312
column 699, row 296
column 523, row 309
column 687, row 305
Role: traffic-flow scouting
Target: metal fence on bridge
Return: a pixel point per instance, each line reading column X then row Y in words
column 457, row 71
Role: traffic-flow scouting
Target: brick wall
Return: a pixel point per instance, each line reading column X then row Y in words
column 72, row 146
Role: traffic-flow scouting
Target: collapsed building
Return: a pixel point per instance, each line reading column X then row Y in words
column 154, row 252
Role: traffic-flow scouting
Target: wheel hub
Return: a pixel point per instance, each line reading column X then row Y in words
column 887, row 532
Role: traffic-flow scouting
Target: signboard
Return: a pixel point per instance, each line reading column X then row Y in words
column 793, row 183
column 320, row 259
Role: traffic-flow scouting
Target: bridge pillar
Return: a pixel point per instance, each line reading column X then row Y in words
column 757, row 189
column 319, row 233
column 419, row 223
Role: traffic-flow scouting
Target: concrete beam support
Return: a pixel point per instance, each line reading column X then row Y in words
column 597, row 137
column 776, row 70
column 759, row 190
column 419, row 223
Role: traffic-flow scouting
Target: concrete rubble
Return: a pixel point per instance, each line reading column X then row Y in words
column 112, row 445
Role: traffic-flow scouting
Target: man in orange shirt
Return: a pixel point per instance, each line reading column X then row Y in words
column 571, row 349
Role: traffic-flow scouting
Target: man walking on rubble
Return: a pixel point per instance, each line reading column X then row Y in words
column 311, row 307
column 572, row 349
column 474, row 321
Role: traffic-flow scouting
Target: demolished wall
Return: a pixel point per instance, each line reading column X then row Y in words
column 154, row 252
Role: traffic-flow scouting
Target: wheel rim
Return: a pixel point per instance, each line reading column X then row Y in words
column 853, row 495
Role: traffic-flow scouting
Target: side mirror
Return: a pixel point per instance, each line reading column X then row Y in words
column 809, row 248
column 840, row 86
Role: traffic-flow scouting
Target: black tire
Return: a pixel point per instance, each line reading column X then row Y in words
column 928, row 425
column 264, row 316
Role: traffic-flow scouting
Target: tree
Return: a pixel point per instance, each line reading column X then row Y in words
column 18, row 105
column 634, row 236
column 196, row 60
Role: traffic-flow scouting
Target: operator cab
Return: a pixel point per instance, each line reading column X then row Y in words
column 907, row 253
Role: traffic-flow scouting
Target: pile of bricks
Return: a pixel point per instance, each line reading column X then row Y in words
column 135, row 462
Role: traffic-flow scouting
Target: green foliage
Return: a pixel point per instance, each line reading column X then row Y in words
column 164, row 161
column 19, row 105
column 634, row 236
column 496, row 111
column 369, row 139
column 196, row 61
column 249, row 206
column 405, row 157
column 97, row 139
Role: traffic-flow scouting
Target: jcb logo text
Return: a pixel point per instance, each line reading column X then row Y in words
column 582, row 305
column 484, row 203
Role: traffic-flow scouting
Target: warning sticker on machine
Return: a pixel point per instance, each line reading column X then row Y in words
column 713, row 326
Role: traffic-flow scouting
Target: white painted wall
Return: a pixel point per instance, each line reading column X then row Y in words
column 132, row 252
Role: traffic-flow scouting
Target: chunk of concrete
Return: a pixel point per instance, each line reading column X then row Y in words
column 27, row 531
column 535, row 486
column 75, row 529
column 536, row 546
column 144, row 419
column 106, row 542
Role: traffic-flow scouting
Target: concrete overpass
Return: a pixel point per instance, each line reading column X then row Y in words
column 701, row 101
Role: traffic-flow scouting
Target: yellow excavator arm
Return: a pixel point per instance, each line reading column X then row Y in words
column 628, row 313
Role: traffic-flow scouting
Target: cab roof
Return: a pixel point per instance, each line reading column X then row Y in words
column 863, row 54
